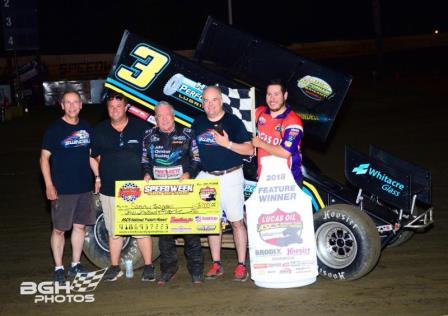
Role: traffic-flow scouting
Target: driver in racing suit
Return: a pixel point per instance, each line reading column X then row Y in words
column 170, row 152
column 280, row 130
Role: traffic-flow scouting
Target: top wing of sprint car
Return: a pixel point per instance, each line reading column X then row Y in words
column 147, row 73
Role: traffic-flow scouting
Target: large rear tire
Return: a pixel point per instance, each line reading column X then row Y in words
column 347, row 241
column 96, row 244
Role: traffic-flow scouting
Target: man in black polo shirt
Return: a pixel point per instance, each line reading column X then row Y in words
column 223, row 141
column 117, row 146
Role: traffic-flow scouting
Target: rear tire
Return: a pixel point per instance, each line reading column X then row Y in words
column 96, row 244
column 347, row 241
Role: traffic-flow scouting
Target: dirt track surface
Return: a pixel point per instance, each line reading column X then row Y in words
column 404, row 114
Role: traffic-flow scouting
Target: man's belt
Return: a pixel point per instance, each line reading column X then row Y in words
column 222, row 172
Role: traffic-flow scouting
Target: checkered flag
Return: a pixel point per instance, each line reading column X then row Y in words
column 240, row 102
column 87, row 282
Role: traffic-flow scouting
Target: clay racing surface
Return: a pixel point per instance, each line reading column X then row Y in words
column 405, row 114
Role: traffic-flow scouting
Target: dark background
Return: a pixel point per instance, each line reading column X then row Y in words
column 88, row 26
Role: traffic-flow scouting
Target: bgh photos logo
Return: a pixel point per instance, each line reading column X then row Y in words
column 69, row 292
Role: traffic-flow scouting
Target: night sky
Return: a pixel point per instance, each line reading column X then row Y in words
column 88, row 26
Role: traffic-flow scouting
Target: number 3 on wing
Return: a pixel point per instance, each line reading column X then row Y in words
column 147, row 66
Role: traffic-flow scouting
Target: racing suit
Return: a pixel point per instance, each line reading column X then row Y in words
column 168, row 156
column 285, row 130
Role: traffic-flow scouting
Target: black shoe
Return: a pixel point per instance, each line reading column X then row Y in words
column 73, row 271
column 197, row 278
column 166, row 277
column 148, row 273
column 112, row 273
column 59, row 276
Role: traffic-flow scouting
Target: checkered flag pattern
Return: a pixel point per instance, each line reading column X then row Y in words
column 239, row 103
column 87, row 282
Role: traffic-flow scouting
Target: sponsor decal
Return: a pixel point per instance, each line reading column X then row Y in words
column 181, row 229
column 179, row 137
column 384, row 228
column 298, row 251
column 207, row 194
column 314, row 117
column 390, row 185
column 206, row 219
column 249, row 187
column 175, row 220
column 260, row 265
column 184, row 89
column 129, row 192
column 166, row 157
column 269, row 139
column 280, row 228
column 138, row 112
column 161, row 173
column 315, row 88
column 206, row 227
column 207, row 138
column 267, row 252
column 168, row 189
column 76, row 139
column 361, row 169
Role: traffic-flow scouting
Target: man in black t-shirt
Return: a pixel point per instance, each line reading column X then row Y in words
column 65, row 166
column 223, row 141
column 117, row 146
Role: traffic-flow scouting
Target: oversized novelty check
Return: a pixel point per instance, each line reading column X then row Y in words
column 167, row 207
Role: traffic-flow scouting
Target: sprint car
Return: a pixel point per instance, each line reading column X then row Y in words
column 387, row 198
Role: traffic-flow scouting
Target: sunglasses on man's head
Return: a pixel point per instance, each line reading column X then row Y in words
column 117, row 97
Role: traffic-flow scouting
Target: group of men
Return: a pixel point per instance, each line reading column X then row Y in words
column 125, row 148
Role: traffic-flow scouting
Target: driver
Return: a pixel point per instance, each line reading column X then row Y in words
column 280, row 130
column 170, row 152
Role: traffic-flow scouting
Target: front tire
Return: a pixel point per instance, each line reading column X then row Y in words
column 347, row 242
column 96, row 244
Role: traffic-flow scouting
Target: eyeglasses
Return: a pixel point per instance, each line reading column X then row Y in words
column 117, row 97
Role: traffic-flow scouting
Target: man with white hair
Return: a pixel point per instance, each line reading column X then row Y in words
column 170, row 152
